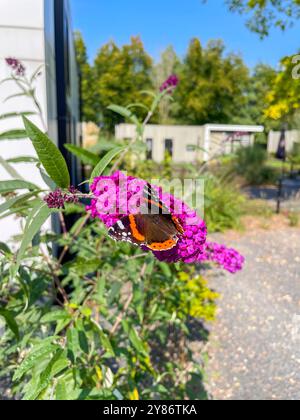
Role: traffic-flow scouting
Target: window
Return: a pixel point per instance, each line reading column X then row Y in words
column 190, row 148
column 149, row 143
column 169, row 147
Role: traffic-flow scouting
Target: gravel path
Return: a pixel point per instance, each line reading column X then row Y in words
column 254, row 346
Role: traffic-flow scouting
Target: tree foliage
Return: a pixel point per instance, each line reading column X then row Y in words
column 88, row 95
column 120, row 73
column 213, row 86
column 264, row 14
column 283, row 98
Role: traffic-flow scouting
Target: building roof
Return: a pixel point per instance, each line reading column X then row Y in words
column 210, row 127
column 234, row 127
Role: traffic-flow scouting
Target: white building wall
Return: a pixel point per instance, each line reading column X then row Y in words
column 22, row 37
column 190, row 143
column 182, row 136
column 292, row 137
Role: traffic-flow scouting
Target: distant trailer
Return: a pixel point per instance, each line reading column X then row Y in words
column 189, row 144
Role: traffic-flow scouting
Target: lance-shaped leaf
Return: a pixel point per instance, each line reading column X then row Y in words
column 104, row 162
column 10, row 169
column 84, row 155
column 23, row 159
column 10, row 321
column 16, row 184
column 16, row 200
column 49, row 155
column 39, row 352
column 13, row 135
column 39, row 216
column 124, row 112
column 16, row 114
column 4, row 248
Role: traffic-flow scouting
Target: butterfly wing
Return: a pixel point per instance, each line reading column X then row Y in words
column 125, row 230
column 155, row 227
column 155, row 206
column 152, row 204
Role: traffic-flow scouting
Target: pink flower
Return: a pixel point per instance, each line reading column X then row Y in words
column 116, row 192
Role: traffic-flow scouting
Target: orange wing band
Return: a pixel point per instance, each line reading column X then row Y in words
column 137, row 235
column 164, row 246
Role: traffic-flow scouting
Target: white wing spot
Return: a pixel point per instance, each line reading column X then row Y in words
column 121, row 225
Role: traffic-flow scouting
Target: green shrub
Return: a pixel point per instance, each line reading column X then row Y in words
column 93, row 322
column 294, row 156
column 251, row 163
column 223, row 205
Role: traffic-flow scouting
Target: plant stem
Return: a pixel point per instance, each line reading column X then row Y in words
column 77, row 232
column 126, row 305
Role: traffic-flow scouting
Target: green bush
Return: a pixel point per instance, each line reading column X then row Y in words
column 294, row 156
column 100, row 341
column 251, row 164
column 96, row 321
column 223, row 205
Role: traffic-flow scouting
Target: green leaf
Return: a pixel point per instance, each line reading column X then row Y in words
column 102, row 165
column 54, row 316
column 104, row 145
column 61, row 393
column 5, row 248
column 136, row 341
column 16, row 114
column 45, row 378
column 49, row 155
column 73, row 344
column 13, row 135
column 23, row 159
column 39, row 352
column 87, row 157
column 40, row 217
column 165, row 268
column 10, row 320
column 124, row 112
column 48, row 181
column 9, row 169
column 17, row 95
column 149, row 93
column 16, row 200
column 13, row 185
column 84, row 266
column 138, row 105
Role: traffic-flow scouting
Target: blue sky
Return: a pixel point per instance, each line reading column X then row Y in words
column 164, row 22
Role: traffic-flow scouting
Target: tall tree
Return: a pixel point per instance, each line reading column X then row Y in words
column 121, row 73
column 213, row 87
column 88, row 97
column 258, row 86
column 267, row 13
column 283, row 99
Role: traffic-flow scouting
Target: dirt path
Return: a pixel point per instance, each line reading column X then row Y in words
column 254, row 348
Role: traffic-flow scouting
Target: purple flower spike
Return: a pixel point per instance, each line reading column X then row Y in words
column 192, row 246
column 57, row 198
column 16, row 66
column 170, row 84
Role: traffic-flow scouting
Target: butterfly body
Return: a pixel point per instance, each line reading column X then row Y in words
column 159, row 231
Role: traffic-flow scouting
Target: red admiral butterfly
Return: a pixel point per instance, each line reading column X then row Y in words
column 158, row 232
